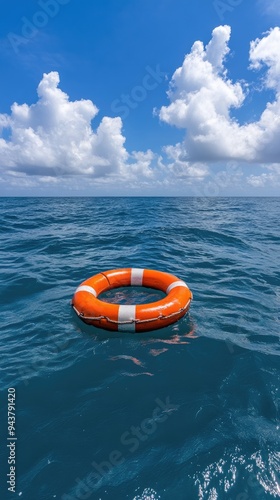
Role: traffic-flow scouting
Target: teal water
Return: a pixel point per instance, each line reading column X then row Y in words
column 187, row 412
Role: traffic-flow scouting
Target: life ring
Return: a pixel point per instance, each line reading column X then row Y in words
column 131, row 318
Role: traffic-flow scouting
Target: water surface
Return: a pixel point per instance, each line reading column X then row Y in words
column 187, row 412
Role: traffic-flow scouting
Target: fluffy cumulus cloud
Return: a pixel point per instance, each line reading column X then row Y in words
column 271, row 177
column 54, row 137
column 203, row 97
column 180, row 168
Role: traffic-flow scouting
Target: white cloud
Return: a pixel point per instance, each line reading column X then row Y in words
column 269, row 178
column 55, row 137
column 180, row 169
column 266, row 51
column 143, row 164
column 202, row 97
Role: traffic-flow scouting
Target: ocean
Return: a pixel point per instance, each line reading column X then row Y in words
column 183, row 413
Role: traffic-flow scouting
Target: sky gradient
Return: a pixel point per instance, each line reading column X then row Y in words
column 140, row 98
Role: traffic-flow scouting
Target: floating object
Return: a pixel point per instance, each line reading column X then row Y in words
column 132, row 318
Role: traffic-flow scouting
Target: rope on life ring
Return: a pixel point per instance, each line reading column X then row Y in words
column 132, row 318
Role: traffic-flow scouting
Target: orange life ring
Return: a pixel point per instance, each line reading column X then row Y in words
column 132, row 318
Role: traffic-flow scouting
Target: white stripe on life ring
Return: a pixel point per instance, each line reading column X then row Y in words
column 137, row 277
column 176, row 283
column 126, row 313
column 86, row 288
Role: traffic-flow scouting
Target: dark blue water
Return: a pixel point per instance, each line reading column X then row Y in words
column 187, row 412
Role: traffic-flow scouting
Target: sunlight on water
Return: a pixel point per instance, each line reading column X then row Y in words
column 148, row 494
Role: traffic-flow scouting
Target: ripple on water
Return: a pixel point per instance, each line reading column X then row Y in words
column 80, row 389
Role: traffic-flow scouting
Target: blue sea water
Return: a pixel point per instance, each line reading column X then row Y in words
column 183, row 413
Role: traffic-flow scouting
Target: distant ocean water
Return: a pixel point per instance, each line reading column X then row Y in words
column 86, row 399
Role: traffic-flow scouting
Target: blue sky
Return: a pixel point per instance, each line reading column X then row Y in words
column 140, row 97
